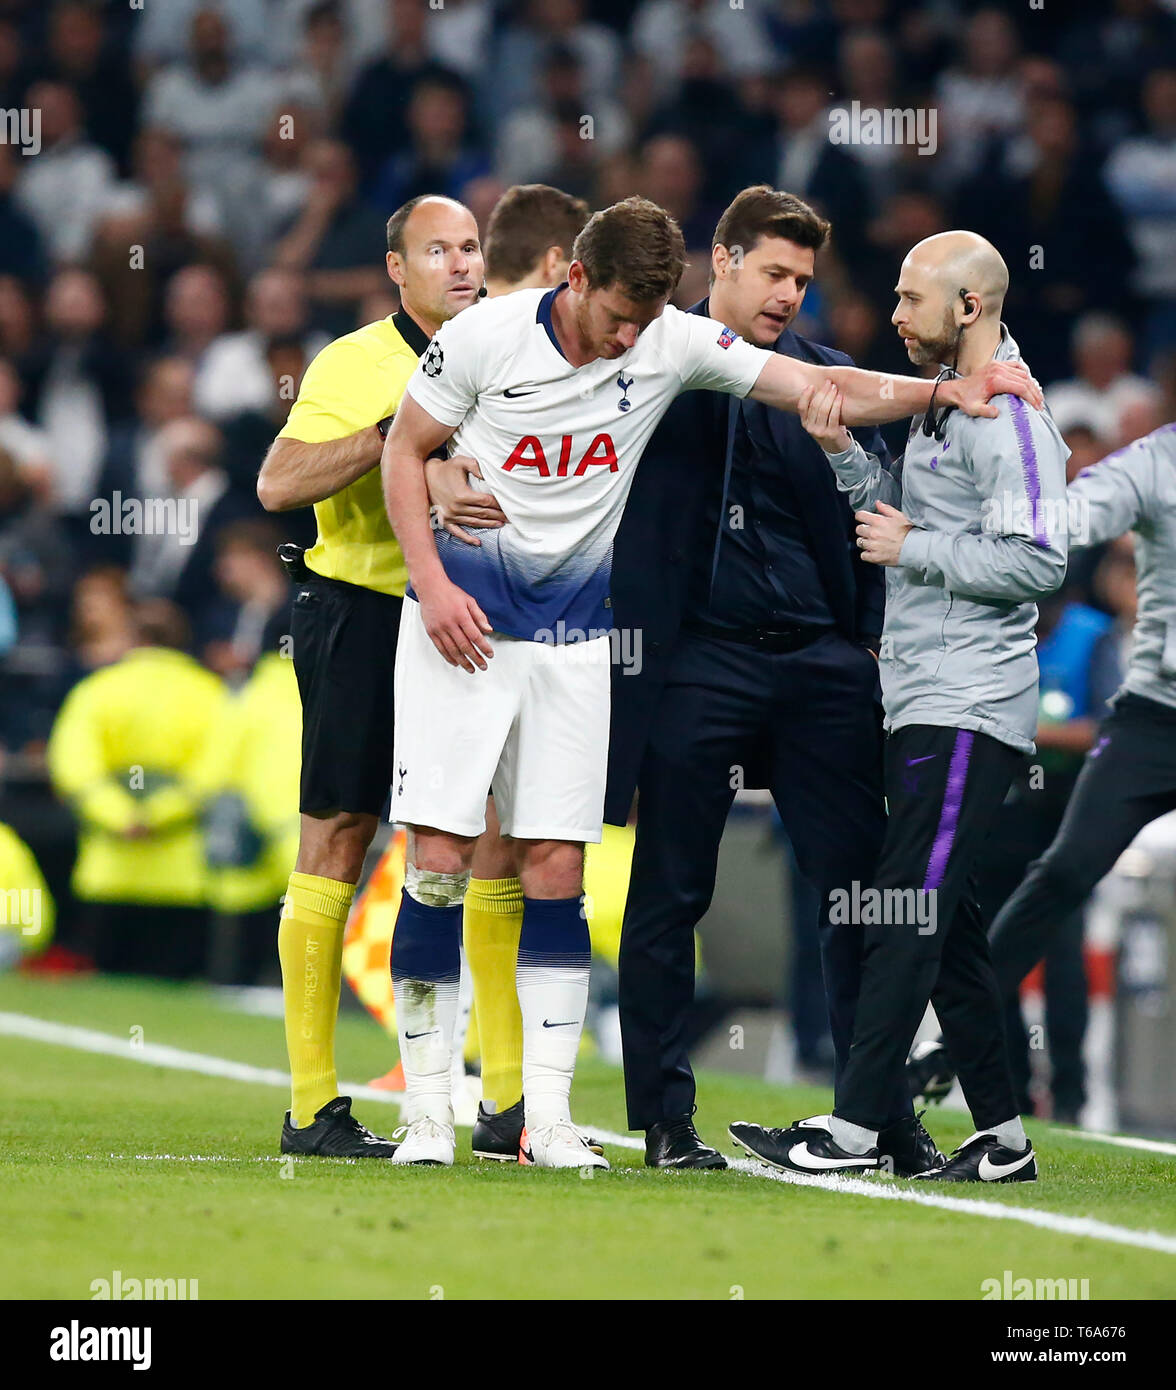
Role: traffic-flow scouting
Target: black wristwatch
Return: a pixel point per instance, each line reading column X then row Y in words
column 383, row 425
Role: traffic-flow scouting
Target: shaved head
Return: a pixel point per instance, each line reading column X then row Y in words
column 949, row 282
column 963, row 261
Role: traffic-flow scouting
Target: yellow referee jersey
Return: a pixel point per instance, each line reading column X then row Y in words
column 353, row 383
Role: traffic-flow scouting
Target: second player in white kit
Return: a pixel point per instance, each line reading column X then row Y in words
column 555, row 394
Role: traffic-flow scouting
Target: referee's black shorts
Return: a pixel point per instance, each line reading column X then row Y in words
column 344, row 639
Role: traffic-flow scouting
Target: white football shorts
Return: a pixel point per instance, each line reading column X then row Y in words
column 532, row 728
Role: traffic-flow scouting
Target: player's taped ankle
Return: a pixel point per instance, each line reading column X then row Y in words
column 433, row 889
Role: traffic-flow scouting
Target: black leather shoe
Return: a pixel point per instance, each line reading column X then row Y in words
column 906, row 1148
column 806, row 1146
column 983, row 1158
column 675, row 1144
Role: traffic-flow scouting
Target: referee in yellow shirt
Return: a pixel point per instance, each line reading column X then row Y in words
column 350, row 585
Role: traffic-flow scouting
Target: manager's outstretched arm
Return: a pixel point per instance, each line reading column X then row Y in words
column 454, row 621
column 875, row 398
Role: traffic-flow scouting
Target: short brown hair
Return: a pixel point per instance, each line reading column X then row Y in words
column 762, row 211
column 634, row 245
column 395, row 227
column 527, row 221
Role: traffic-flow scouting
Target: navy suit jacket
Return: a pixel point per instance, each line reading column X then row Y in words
column 663, row 535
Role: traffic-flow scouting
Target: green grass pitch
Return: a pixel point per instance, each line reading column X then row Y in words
column 78, row 1201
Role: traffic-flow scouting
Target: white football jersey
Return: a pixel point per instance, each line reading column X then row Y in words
column 557, row 446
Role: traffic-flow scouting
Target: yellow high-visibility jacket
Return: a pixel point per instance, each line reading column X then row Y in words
column 124, row 752
column 250, row 785
column 26, row 905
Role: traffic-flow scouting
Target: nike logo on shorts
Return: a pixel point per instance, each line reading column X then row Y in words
column 425, row 1034
column 912, row 761
column 567, row 1023
column 513, row 393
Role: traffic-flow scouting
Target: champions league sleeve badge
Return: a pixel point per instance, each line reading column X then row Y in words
column 433, row 359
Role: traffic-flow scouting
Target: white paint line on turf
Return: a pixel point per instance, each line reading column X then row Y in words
column 177, row 1059
column 997, row 1211
column 1124, row 1141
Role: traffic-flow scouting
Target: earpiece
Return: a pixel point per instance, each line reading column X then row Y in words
column 482, row 292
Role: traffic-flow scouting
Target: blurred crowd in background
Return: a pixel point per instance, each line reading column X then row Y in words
column 206, row 209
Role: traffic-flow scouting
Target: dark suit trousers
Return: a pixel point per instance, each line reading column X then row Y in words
column 810, row 720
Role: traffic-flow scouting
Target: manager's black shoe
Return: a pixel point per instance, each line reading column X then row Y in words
column 497, row 1135
column 929, row 1072
column 675, row 1144
column 983, row 1158
column 905, row 1148
column 804, row 1147
column 335, row 1133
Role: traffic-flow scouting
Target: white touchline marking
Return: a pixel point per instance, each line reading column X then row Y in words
column 1124, row 1141
column 997, row 1211
column 177, row 1059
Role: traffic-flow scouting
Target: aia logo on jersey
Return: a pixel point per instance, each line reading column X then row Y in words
column 530, row 453
column 624, row 383
column 727, row 337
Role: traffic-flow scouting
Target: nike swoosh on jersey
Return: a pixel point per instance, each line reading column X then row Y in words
column 425, row 1034
column 815, row 1163
column 990, row 1172
column 511, row 394
column 912, row 761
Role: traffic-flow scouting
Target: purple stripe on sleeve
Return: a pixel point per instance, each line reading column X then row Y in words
column 949, row 819
column 1029, row 468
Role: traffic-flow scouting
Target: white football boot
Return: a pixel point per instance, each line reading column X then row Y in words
column 558, row 1145
column 425, row 1141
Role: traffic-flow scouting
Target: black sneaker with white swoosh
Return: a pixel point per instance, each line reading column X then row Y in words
column 983, row 1158
column 806, row 1146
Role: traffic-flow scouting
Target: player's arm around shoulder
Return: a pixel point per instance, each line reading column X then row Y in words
column 330, row 439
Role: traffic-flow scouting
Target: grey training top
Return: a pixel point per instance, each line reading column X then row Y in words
column 1135, row 490
column 988, row 502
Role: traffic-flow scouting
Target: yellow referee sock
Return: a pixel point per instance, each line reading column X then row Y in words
column 310, row 947
column 492, row 922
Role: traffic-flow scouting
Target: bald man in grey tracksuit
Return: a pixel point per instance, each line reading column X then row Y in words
column 981, row 535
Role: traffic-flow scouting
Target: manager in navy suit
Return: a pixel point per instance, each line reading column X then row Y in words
column 736, row 563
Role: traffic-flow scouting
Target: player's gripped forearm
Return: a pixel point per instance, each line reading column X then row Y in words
column 406, row 498
column 297, row 474
column 876, row 398
column 869, row 398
